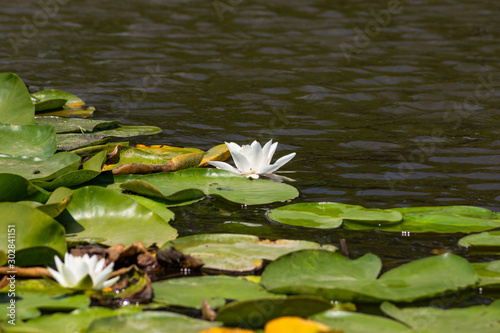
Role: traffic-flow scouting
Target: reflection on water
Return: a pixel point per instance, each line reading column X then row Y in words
column 385, row 106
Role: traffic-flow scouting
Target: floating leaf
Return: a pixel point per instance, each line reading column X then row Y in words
column 190, row 292
column 150, row 321
column 485, row 241
column 92, row 150
column 77, row 125
column 192, row 183
column 167, row 152
column 55, row 205
column 327, row 215
column 90, row 169
column 354, row 322
column 217, row 153
column 33, row 168
column 488, row 273
column 238, row 253
column 48, row 100
column 16, row 188
column 97, row 212
column 332, row 276
column 156, row 207
column 38, row 237
column 30, row 305
column 255, row 313
column 16, row 107
column 27, row 140
column 297, row 325
column 480, row 318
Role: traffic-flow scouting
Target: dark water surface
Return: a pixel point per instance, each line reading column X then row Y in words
column 407, row 115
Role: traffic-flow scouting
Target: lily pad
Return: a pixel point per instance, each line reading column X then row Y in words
column 37, row 236
column 217, row 153
column 92, row 150
column 329, row 215
column 49, row 101
column 16, row 188
column 76, row 321
column 151, row 322
column 488, row 273
column 16, row 107
column 192, row 183
column 77, row 125
column 167, row 152
column 190, row 292
column 97, row 212
column 70, row 141
column 256, row 313
column 90, row 169
column 157, row 207
column 354, row 322
column 27, row 140
column 332, row 276
column 480, row 318
column 238, row 253
column 34, row 168
column 485, row 241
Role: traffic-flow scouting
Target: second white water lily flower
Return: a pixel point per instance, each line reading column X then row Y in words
column 253, row 160
column 83, row 272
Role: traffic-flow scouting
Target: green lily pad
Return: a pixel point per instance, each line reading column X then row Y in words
column 16, row 107
column 27, row 140
column 76, row 321
column 329, row 215
column 167, row 152
column 354, row 322
column 90, row 169
column 190, row 292
column 334, row 277
column 151, row 322
column 480, row 318
column 92, row 150
column 190, row 184
column 16, row 188
column 57, row 202
column 49, row 101
column 485, row 241
column 97, row 212
column 30, row 305
column 132, row 155
column 70, row 141
column 157, row 207
column 49, row 104
column 77, row 125
column 37, row 236
column 33, row 168
column 488, row 273
column 256, row 313
column 238, row 253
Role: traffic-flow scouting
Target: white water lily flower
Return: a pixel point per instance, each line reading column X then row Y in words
column 253, row 160
column 75, row 272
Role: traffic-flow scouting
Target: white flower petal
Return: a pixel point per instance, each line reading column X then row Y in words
column 109, row 283
column 224, row 166
column 278, row 164
column 240, row 160
column 58, row 277
column 253, row 176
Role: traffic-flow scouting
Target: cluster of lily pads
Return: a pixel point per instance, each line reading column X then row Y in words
column 71, row 193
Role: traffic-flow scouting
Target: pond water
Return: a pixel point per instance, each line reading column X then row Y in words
column 386, row 103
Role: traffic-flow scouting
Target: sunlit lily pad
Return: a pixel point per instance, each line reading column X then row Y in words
column 488, row 273
column 327, row 215
column 190, row 292
column 354, row 322
column 217, row 153
column 92, row 150
column 33, row 168
column 481, row 318
column 192, row 183
column 38, row 237
column 97, row 212
column 55, row 205
column 167, row 152
column 256, row 313
column 27, row 140
column 151, row 322
column 48, row 103
column 238, row 253
column 90, row 169
column 334, row 277
column 485, row 241
column 16, row 107
column 15, row 188
column 77, row 125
